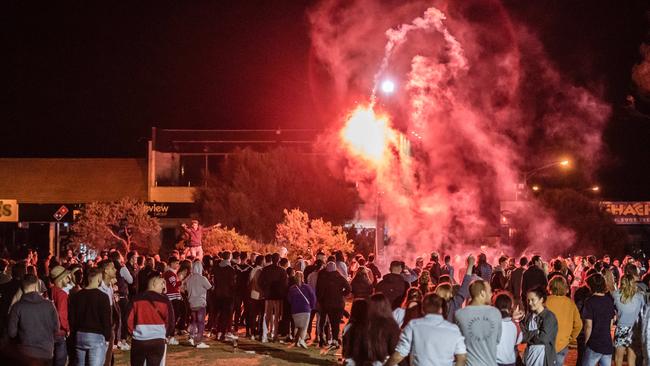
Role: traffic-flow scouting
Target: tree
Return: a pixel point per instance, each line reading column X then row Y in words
column 254, row 188
column 222, row 238
column 304, row 236
column 121, row 224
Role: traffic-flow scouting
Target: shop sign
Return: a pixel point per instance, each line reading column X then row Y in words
column 8, row 210
column 169, row 209
column 628, row 212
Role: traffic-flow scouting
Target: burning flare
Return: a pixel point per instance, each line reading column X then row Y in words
column 368, row 135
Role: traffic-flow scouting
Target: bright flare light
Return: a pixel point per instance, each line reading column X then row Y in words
column 387, row 86
column 565, row 162
column 367, row 134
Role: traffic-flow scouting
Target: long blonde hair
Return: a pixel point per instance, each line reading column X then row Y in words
column 299, row 277
column 628, row 288
column 610, row 282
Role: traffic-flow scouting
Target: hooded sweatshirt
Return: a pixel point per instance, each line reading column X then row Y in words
column 33, row 321
column 331, row 287
column 197, row 287
column 274, row 282
column 225, row 279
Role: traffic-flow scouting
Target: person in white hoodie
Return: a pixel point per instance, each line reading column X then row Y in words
column 197, row 286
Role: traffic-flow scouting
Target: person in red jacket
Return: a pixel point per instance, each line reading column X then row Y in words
column 151, row 321
column 60, row 279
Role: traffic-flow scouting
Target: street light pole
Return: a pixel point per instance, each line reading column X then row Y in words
column 532, row 172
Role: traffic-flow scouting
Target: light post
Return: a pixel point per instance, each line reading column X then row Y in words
column 530, row 173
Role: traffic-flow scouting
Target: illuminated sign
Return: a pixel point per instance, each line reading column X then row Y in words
column 628, row 212
column 8, row 210
column 169, row 210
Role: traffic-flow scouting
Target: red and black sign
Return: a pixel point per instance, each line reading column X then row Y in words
column 60, row 213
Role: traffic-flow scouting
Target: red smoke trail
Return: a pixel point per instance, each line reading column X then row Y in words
column 480, row 103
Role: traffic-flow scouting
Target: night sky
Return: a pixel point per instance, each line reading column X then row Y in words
column 84, row 79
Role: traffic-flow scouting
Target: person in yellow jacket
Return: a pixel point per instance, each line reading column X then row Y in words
column 567, row 314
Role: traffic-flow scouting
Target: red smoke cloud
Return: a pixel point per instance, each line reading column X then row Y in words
column 480, row 103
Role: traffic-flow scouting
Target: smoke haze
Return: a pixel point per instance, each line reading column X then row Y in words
column 480, row 103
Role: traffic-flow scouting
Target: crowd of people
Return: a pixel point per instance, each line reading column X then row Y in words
column 69, row 311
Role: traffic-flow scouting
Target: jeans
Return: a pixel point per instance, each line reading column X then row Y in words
column 197, row 325
column 60, row 351
column 560, row 356
column 592, row 358
column 91, row 349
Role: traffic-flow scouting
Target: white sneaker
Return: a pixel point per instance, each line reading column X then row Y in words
column 173, row 341
column 265, row 340
column 202, row 345
column 301, row 343
column 123, row 346
column 191, row 340
column 231, row 337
